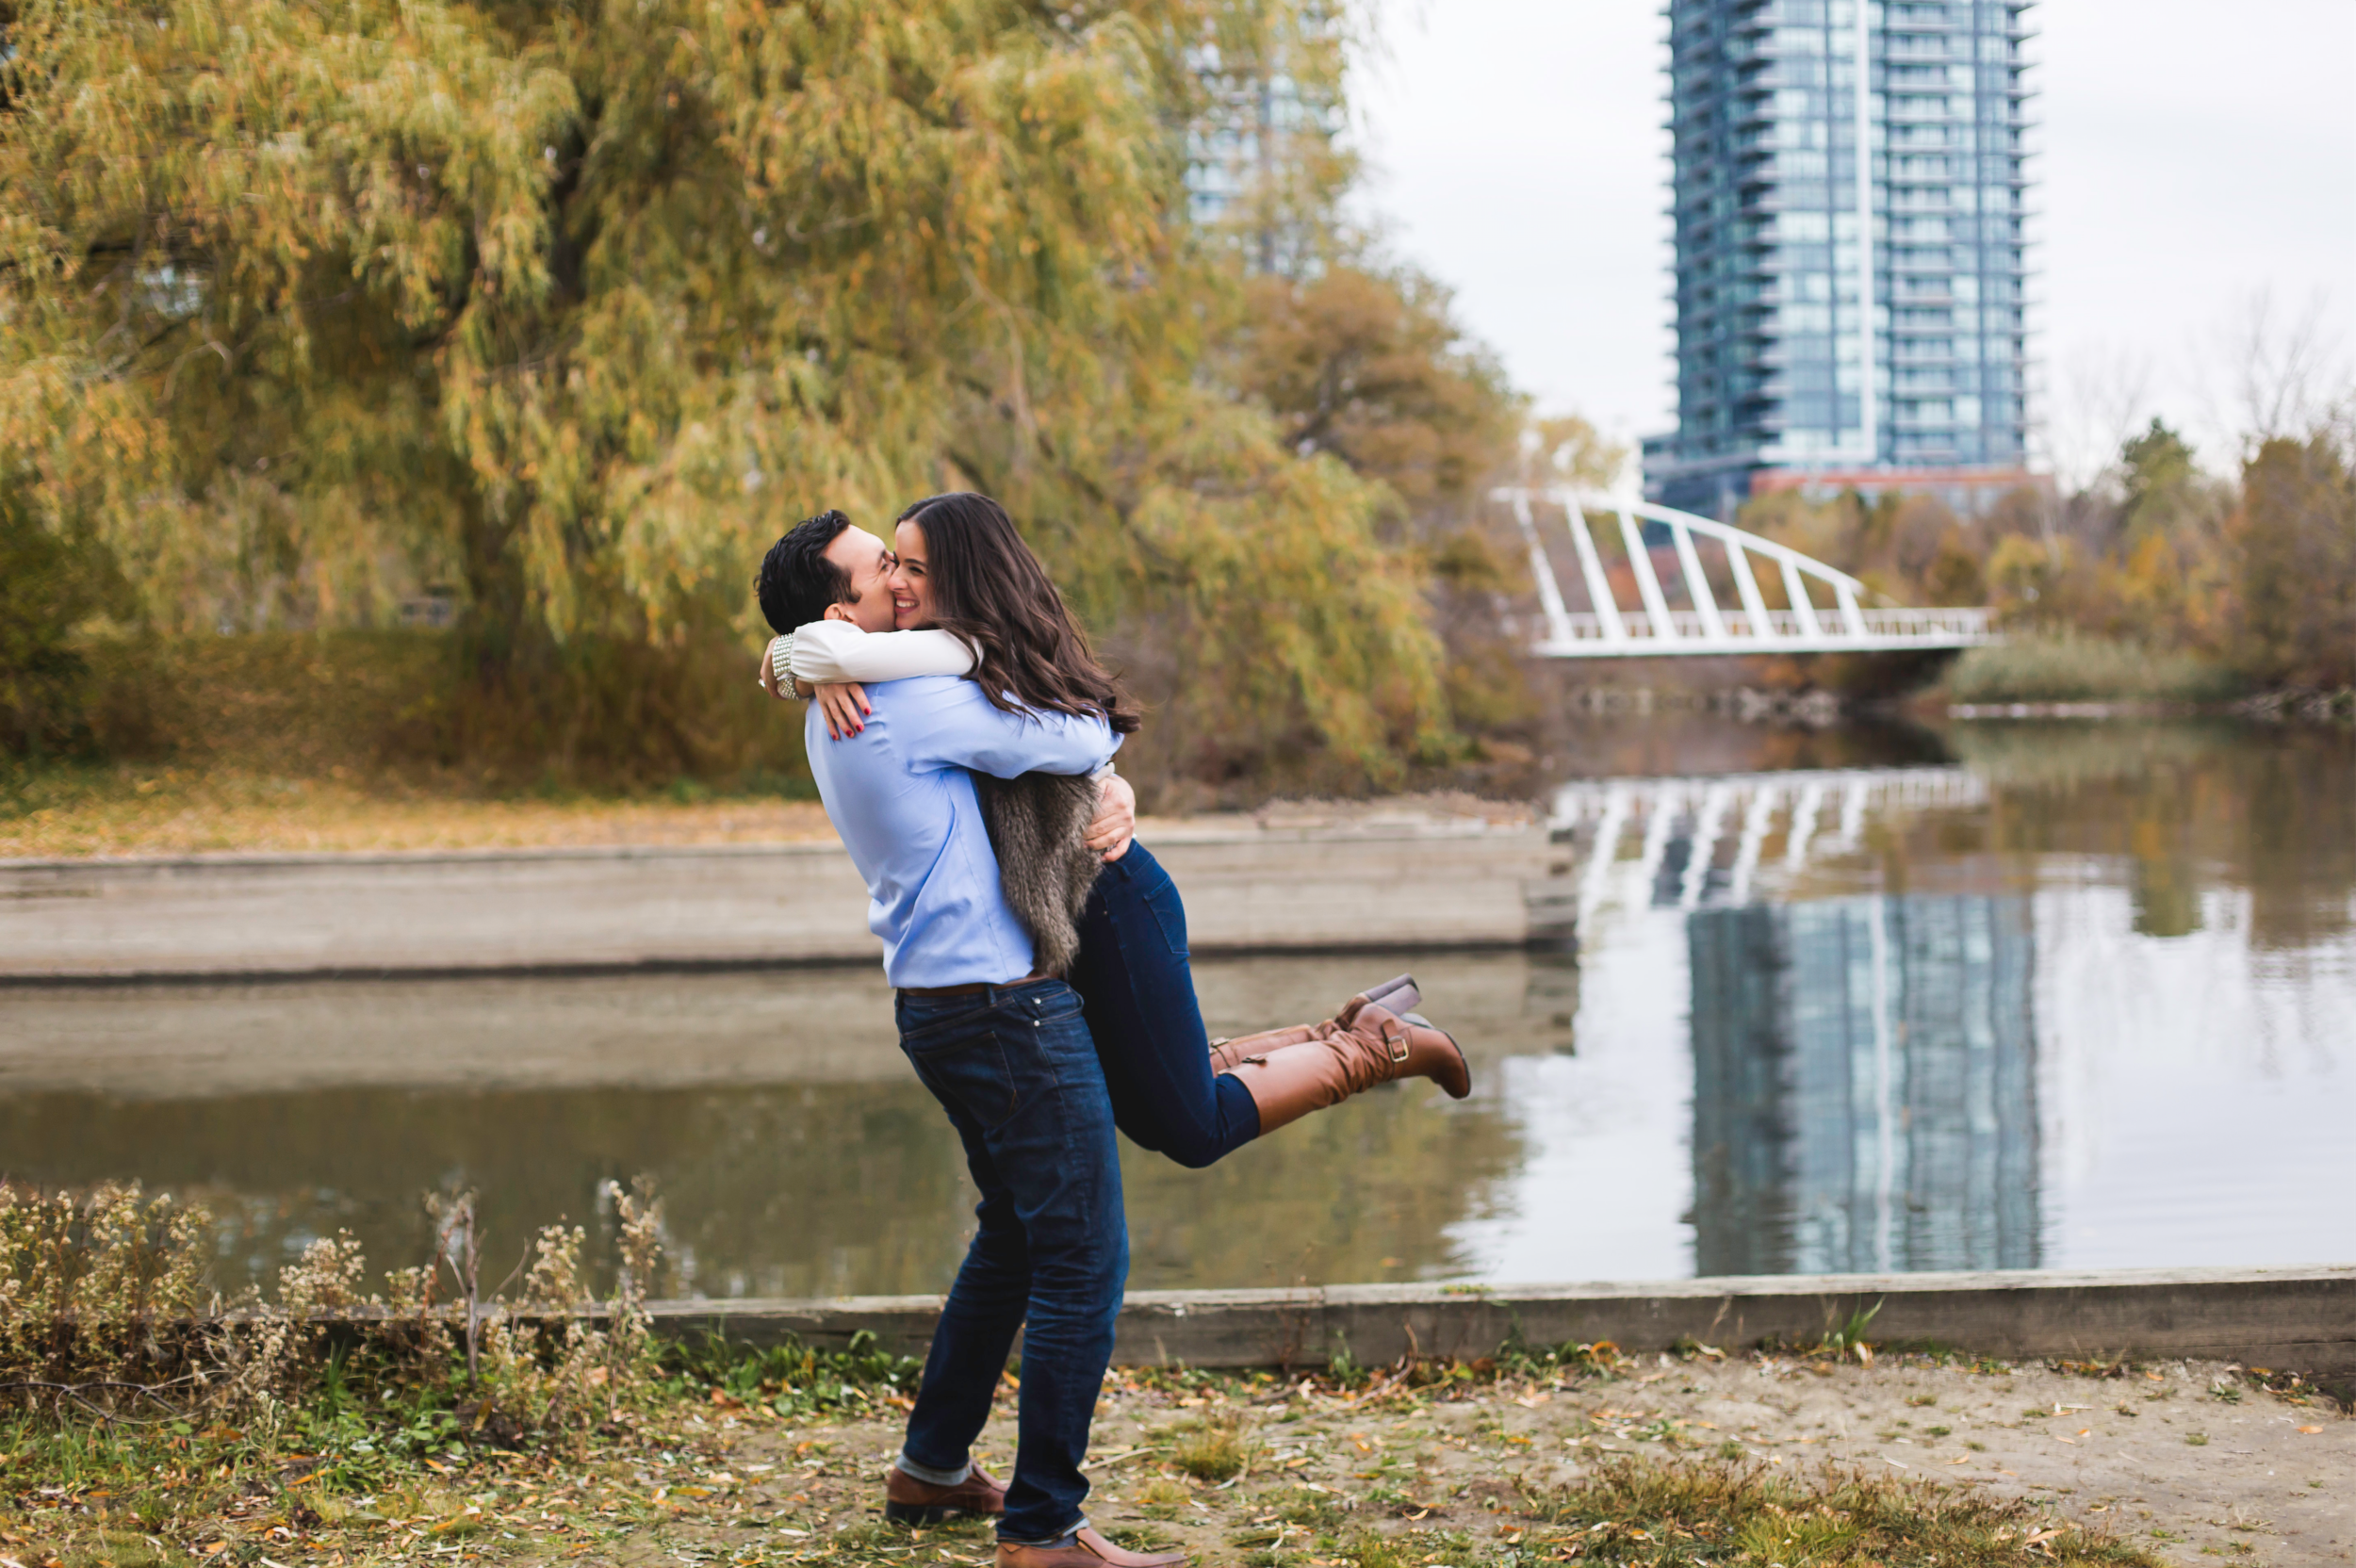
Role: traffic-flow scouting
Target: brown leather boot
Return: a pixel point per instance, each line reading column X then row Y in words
column 1398, row 993
column 910, row 1501
column 1378, row 1047
column 1087, row 1549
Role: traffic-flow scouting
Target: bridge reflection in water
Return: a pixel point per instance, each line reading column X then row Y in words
column 1864, row 1085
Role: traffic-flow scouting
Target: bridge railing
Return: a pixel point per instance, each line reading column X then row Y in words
column 1965, row 626
column 1607, row 630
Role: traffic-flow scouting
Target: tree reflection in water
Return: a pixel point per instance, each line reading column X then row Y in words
column 796, row 1155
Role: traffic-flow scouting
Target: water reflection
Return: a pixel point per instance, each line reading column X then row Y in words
column 2065, row 997
column 796, row 1155
column 1864, row 1085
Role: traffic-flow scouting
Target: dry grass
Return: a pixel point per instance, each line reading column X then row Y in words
column 71, row 812
column 734, row 1460
column 1639, row 1512
column 1214, row 1449
column 2038, row 667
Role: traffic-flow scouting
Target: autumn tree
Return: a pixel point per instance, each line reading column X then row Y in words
column 1368, row 364
column 2294, row 621
column 573, row 307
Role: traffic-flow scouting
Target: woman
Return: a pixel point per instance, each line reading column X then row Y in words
column 970, row 598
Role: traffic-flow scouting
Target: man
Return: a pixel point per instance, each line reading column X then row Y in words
column 1002, row 1048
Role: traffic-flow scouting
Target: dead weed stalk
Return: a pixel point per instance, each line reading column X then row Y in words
column 107, row 1310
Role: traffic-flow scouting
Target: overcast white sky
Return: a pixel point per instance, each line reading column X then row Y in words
column 2198, row 155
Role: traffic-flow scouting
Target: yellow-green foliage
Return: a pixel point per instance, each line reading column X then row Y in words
column 572, row 308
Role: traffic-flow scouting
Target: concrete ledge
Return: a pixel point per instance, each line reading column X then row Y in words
column 2286, row 1319
column 578, row 911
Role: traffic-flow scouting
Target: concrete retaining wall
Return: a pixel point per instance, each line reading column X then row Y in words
column 1246, row 889
column 2286, row 1319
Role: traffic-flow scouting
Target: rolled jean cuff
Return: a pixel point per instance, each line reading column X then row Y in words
column 1063, row 1540
column 929, row 1475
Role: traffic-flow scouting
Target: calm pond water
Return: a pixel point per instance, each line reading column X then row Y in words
column 2046, row 996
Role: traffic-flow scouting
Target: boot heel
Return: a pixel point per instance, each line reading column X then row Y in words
column 1394, row 995
column 916, row 1513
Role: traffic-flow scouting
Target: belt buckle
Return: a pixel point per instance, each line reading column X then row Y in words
column 1397, row 1042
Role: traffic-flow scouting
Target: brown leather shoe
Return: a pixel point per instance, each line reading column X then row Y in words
column 1398, row 993
column 1378, row 1047
column 910, row 1501
column 1087, row 1549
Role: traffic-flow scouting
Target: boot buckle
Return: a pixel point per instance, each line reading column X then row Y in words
column 1398, row 1043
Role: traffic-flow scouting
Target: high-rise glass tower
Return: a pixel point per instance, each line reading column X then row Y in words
column 1845, row 318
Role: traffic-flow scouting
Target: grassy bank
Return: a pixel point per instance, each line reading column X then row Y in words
column 778, row 1458
column 2043, row 667
column 140, row 1425
column 71, row 810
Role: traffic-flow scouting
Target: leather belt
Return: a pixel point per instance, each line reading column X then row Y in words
column 975, row 989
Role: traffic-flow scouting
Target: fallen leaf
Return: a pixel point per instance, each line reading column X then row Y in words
column 2311, row 1431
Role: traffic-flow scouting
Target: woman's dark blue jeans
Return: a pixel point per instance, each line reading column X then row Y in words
column 1134, row 974
column 1016, row 1070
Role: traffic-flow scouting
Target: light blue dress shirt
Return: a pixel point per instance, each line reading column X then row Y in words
column 900, row 795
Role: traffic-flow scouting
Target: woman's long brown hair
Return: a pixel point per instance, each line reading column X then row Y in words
column 990, row 590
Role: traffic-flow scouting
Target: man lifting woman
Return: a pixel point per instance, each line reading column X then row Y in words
column 962, row 734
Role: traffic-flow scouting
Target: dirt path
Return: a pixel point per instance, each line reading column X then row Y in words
column 2185, row 1460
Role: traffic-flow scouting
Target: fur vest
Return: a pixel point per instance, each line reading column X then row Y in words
column 1038, row 826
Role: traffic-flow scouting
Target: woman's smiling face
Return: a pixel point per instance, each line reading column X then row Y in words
column 912, row 580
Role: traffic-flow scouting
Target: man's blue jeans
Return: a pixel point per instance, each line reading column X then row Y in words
column 1017, row 1072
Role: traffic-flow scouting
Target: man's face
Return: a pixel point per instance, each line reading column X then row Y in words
column 861, row 557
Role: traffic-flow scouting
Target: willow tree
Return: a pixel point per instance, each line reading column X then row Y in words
column 572, row 306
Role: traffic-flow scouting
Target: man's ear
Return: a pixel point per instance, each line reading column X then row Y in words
column 836, row 612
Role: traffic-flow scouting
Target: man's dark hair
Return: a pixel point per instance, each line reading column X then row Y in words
column 990, row 590
column 797, row 582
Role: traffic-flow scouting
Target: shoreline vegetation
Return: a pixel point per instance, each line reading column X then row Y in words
column 268, row 778
column 144, row 1424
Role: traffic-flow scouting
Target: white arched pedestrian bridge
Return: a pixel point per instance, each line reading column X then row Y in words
column 1825, row 609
